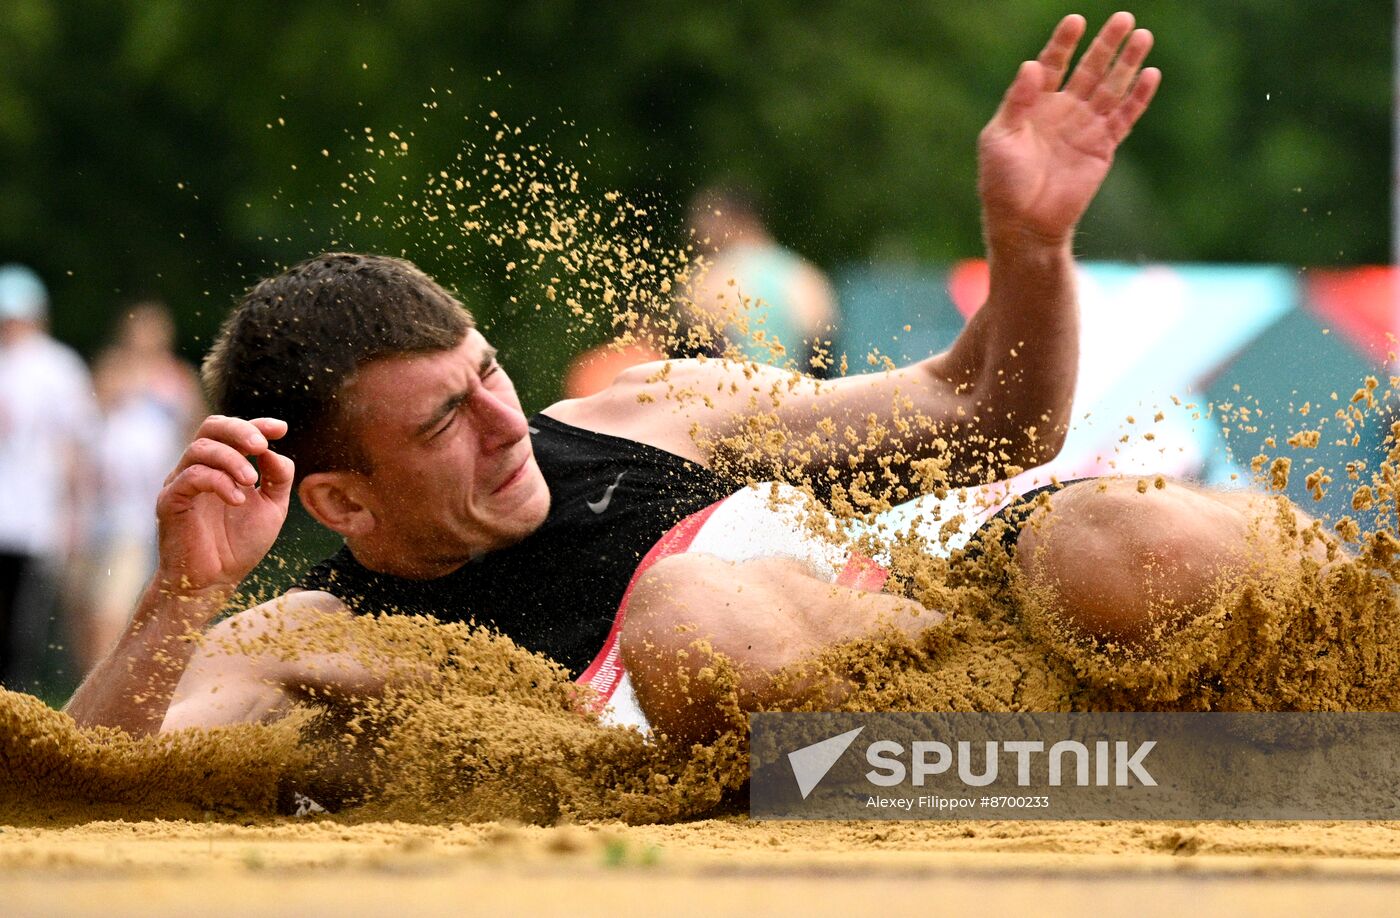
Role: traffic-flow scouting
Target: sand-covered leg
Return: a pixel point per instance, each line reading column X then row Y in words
column 707, row 640
column 1122, row 559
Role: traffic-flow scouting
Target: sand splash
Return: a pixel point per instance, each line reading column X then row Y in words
column 469, row 728
column 472, row 728
column 52, row 770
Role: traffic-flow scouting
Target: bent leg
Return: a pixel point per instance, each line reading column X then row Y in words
column 1119, row 562
column 707, row 641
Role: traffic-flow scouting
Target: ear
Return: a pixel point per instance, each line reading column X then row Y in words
column 337, row 500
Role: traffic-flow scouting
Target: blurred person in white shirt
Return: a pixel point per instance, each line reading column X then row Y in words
column 47, row 414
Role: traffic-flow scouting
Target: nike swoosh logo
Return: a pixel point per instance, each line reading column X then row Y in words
column 601, row 505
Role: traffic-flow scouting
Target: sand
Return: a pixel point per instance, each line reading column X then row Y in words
column 707, row 867
column 490, row 790
column 485, row 785
column 469, row 727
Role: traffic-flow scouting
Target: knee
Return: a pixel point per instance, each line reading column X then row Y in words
column 665, row 603
column 1121, row 562
column 666, row 649
column 702, row 639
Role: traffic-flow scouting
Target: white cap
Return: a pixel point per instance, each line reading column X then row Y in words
column 22, row 294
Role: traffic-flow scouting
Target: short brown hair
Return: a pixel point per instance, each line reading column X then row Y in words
column 294, row 341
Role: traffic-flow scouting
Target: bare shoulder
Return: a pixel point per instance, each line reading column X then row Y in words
column 686, row 405
column 658, row 403
column 295, row 607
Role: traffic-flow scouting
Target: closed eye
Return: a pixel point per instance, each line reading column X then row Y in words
column 487, row 370
column 449, row 415
column 451, row 418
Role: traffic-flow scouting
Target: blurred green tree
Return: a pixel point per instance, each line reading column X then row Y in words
column 175, row 148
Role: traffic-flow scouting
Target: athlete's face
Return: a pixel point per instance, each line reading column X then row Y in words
column 453, row 472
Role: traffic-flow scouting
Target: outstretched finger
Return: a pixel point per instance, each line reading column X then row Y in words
column 1021, row 95
column 1122, row 120
column 1095, row 62
column 1056, row 54
column 1125, row 70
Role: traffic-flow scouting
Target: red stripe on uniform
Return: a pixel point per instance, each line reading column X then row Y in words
column 603, row 674
column 862, row 573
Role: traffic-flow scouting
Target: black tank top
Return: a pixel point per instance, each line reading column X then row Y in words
column 556, row 592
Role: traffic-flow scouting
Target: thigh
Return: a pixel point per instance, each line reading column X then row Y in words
column 1120, row 560
column 708, row 640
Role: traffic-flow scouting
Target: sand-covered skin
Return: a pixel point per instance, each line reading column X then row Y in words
column 472, row 728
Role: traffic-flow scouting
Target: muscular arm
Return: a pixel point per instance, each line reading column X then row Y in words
column 1042, row 158
column 218, row 515
column 131, row 687
column 245, row 670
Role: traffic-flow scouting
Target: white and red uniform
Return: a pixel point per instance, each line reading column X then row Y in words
column 771, row 520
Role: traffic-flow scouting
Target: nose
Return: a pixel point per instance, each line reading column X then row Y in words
column 498, row 422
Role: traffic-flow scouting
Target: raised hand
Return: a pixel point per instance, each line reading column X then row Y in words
column 216, row 518
column 1046, row 151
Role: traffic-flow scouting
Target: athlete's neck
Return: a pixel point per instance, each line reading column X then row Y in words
column 408, row 565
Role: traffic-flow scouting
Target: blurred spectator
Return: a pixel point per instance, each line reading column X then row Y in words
column 46, row 415
column 150, row 403
column 764, row 299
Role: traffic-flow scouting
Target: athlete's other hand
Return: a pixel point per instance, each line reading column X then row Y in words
column 218, row 514
column 1046, row 151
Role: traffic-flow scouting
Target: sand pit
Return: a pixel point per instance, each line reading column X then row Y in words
column 490, row 790
column 725, row 866
column 486, row 786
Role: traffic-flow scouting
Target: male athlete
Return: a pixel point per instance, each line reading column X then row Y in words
column 400, row 431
